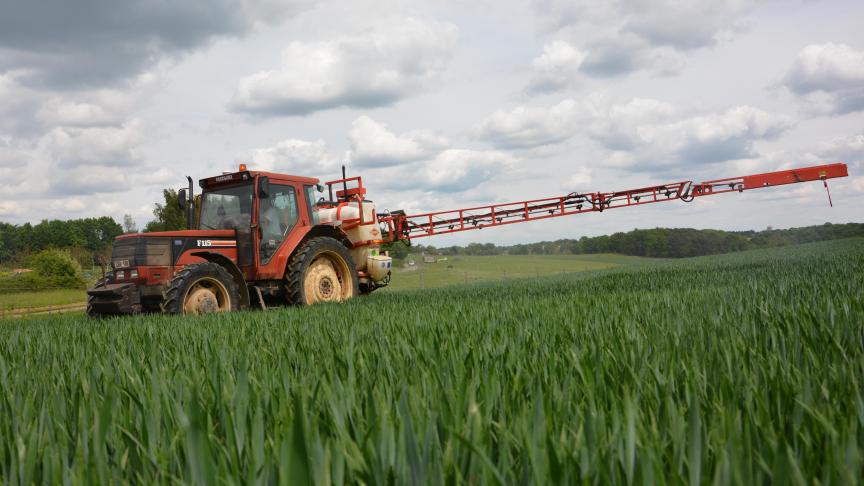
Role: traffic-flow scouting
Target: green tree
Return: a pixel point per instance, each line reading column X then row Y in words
column 55, row 263
column 100, row 232
column 169, row 216
column 398, row 250
column 129, row 225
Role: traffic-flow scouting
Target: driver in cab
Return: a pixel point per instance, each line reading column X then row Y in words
column 273, row 221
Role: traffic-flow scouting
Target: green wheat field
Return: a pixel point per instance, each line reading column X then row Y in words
column 738, row 369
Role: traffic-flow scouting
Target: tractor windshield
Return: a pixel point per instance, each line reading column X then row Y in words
column 227, row 208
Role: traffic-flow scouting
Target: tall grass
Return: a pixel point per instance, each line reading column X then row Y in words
column 739, row 369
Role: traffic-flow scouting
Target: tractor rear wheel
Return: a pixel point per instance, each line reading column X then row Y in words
column 201, row 288
column 321, row 270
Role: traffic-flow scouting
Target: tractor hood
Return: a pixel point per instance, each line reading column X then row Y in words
column 163, row 248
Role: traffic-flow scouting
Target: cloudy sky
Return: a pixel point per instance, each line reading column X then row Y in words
column 437, row 104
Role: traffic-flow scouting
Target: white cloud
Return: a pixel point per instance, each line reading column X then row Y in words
column 641, row 133
column 103, row 146
column 580, row 177
column 615, row 55
column 17, row 105
column 528, row 127
column 66, row 112
column 828, row 77
column 458, row 170
column 557, row 15
column 13, row 153
column 72, row 204
column 294, row 156
column 62, row 44
column 29, row 112
column 621, row 36
column 395, row 59
column 374, row 145
column 626, row 53
column 92, row 180
column 557, row 68
column 159, row 177
column 682, row 24
column 848, row 149
column 618, row 126
column 10, row 209
column 99, row 107
column 706, row 138
column 688, row 24
column 88, row 179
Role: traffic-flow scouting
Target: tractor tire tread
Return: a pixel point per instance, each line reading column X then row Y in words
column 89, row 310
column 172, row 297
column 301, row 259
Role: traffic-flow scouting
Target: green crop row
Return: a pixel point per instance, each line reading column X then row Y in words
column 741, row 369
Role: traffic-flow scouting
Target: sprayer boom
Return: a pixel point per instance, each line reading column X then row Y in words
column 399, row 226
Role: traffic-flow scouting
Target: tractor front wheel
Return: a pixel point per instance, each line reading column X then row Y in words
column 91, row 311
column 322, row 270
column 201, row 288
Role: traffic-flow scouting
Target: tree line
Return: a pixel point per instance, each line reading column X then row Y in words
column 85, row 239
column 87, row 235
column 657, row 242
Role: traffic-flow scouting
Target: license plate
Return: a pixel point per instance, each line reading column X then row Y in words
column 121, row 263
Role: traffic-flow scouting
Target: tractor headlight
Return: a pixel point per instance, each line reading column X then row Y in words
column 120, row 275
column 133, row 274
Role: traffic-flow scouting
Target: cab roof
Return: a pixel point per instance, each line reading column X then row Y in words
column 244, row 175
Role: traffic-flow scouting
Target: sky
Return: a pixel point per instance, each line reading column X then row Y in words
column 436, row 104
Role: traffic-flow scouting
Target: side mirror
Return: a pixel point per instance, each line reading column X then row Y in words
column 319, row 187
column 182, row 199
column 263, row 186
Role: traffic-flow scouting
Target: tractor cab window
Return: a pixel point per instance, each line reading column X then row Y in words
column 278, row 216
column 227, row 208
column 311, row 205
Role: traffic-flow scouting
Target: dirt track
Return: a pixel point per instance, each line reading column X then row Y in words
column 51, row 309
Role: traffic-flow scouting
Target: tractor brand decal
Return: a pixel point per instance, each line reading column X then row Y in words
column 216, row 243
column 223, row 178
column 121, row 263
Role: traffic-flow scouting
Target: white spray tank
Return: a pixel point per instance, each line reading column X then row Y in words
column 358, row 220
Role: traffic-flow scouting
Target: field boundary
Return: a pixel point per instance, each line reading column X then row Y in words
column 51, row 309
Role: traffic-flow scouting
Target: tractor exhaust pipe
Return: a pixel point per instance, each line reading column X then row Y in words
column 190, row 205
column 344, row 184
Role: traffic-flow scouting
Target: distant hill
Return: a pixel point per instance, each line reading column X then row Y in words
column 663, row 242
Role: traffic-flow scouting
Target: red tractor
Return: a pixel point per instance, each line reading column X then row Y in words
column 261, row 237
column 265, row 238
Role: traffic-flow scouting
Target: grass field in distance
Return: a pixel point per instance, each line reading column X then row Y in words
column 468, row 269
column 736, row 369
column 24, row 300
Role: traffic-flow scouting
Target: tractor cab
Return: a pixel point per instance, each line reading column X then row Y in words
column 263, row 208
